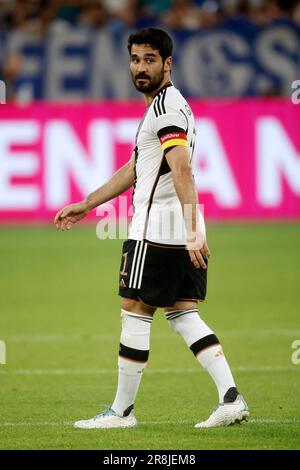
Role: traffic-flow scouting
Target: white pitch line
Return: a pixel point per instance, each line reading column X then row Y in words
column 63, row 372
column 274, row 421
column 251, row 421
column 40, row 338
column 58, row 372
column 163, row 423
column 34, row 424
column 58, row 337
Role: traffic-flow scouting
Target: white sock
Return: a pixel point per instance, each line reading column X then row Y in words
column 214, row 361
column 205, row 346
column 133, row 357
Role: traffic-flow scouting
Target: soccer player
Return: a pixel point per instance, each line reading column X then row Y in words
column 164, row 261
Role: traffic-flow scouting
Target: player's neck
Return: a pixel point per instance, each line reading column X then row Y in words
column 149, row 97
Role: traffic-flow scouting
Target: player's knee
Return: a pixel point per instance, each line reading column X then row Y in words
column 135, row 336
column 171, row 316
column 188, row 324
column 174, row 327
column 177, row 311
column 136, row 306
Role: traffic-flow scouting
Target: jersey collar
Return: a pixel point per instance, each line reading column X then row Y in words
column 166, row 85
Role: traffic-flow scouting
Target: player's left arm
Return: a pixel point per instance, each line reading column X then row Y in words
column 178, row 159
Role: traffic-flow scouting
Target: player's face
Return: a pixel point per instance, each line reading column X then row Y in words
column 147, row 68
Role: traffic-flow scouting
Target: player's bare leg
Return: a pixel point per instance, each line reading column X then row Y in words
column 184, row 319
column 136, row 320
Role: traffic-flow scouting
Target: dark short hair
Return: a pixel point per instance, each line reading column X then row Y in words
column 157, row 38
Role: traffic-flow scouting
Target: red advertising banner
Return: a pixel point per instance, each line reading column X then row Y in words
column 247, row 156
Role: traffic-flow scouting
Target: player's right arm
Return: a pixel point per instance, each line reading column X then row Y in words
column 120, row 182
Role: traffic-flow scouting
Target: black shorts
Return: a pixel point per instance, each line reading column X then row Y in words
column 158, row 275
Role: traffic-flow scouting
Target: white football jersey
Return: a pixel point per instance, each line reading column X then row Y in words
column 168, row 122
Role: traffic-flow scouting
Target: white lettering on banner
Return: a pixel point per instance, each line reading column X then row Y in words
column 109, row 75
column 269, row 49
column 215, row 176
column 65, row 157
column 125, row 130
column 17, row 163
column 204, row 58
column 276, row 157
column 62, row 65
column 19, row 43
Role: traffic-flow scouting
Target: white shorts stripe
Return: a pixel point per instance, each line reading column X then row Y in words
column 133, row 262
column 142, row 266
column 137, row 268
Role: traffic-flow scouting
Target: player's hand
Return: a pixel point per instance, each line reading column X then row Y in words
column 198, row 249
column 69, row 215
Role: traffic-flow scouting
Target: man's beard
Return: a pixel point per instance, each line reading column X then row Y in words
column 150, row 84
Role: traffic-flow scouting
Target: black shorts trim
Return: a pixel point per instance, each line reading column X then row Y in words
column 195, row 300
column 161, row 245
column 134, row 297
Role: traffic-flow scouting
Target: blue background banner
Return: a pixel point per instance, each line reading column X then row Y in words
column 238, row 59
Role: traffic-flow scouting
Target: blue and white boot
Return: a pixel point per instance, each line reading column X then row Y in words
column 109, row 419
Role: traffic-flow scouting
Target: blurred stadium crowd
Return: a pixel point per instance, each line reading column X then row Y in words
column 37, row 16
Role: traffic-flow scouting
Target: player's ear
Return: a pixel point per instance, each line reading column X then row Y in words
column 168, row 64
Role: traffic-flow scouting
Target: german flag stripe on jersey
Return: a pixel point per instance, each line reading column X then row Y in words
column 171, row 136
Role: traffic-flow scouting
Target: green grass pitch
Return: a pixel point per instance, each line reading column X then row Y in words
column 60, row 320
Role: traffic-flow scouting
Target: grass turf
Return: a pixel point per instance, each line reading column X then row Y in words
column 60, row 321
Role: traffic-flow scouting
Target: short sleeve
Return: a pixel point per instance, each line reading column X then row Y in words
column 170, row 126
